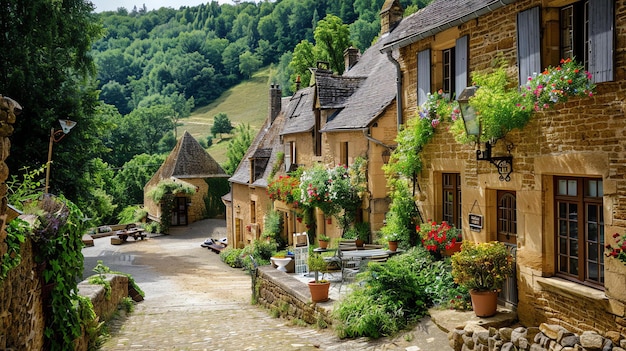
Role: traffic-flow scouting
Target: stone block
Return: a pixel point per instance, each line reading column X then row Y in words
column 505, row 334
column 551, row 330
column 517, row 334
column 614, row 336
column 591, row 340
column 481, row 337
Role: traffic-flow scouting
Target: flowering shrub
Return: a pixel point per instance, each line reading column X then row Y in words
column 285, row 188
column 438, row 237
column 618, row 250
column 438, row 107
column 482, row 266
column 557, row 84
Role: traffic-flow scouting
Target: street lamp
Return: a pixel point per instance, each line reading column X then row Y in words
column 473, row 126
column 55, row 137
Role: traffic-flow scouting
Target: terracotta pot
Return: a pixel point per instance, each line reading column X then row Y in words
column 319, row 291
column 323, row 244
column 329, row 221
column 393, row 246
column 359, row 243
column 454, row 249
column 484, row 303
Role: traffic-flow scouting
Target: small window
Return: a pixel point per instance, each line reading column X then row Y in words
column 343, row 154
column 448, row 71
column 451, row 184
column 507, row 217
column 574, row 24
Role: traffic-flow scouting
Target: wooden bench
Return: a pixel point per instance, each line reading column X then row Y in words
column 217, row 248
column 135, row 233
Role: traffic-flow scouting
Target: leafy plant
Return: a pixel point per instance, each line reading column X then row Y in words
column 482, row 266
column 317, row 264
column 272, row 227
column 323, row 237
column 402, row 214
column 16, row 235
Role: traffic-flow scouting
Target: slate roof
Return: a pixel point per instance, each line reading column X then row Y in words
column 332, row 91
column 437, row 17
column 377, row 89
column 188, row 160
column 299, row 117
column 264, row 148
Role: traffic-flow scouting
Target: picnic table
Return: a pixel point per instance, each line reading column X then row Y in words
column 135, row 233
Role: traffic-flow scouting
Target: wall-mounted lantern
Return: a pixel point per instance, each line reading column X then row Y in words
column 473, row 126
column 386, row 155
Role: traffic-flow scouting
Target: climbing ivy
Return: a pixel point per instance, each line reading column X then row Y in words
column 14, row 240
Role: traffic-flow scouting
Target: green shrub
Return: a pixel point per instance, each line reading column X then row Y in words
column 232, row 257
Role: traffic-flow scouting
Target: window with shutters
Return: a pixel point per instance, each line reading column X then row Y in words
column 450, row 73
column 579, row 229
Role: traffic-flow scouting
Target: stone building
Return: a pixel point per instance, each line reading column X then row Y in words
column 565, row 197
column 332, row 122
column 188, row 163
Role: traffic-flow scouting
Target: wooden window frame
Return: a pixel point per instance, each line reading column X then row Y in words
column 451, row 185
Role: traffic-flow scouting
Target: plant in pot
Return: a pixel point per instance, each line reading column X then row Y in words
column 482, row 268
column 362, row 233
column 392, row 240
column 323, row 240
column 318, row 287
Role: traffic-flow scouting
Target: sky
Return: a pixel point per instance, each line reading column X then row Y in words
column 112, row 5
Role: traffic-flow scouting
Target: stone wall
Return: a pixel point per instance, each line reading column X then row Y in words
column 547, row 337
column 277, row 291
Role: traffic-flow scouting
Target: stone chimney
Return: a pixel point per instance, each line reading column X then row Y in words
column 351, row 57
column 275, row 101
column 390, row 16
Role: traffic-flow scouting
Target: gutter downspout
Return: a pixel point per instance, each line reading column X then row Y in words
column 398, row 88
column 375, row 141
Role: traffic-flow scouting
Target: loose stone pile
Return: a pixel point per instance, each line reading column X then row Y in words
column 547, row 337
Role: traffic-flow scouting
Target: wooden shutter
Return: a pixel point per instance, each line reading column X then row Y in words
column 423, row 75
column 461, row 65
column 601, row 24
column 528, row 44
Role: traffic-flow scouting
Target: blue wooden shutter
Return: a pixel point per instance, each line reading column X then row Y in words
column 528, row 44
column 461, row 65
column 601, row 24
column 423, row 75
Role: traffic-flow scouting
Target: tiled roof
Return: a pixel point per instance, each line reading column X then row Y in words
column 437, row 17
column 375, row 92
column 188, row 160
column 299, row 117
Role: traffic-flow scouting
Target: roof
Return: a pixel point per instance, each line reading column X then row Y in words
column 332, row 91
column 264, row 148
column 377, row 90
column 188, row 160
column 299, row 117
column 437, row 17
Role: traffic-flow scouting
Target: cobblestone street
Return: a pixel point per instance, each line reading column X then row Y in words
column 196, row 302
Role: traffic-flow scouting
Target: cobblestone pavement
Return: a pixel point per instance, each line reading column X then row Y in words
column 195, row 302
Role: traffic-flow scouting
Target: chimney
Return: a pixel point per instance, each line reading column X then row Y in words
column 298, row 82
column 275, row 101
column 351, row 57
column 390, row 16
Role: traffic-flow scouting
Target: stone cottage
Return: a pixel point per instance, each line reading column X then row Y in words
column 565, row 196
column 188, row 163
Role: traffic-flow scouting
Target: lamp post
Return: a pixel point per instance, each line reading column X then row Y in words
column 55, row 137
column 473, row 126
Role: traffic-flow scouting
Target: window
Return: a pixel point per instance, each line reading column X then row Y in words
column 586, row 33
column 290, row 156
column 252, row 211
column 574, row 24
column 579, row 229
column 317, row 136
column 452, row 199
column 343, row 154
column 448, row 71
column 507, row 217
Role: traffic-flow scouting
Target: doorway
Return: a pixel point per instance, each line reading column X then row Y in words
column 179, row 212
column 507, row 234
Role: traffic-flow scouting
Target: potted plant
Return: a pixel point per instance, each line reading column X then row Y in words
column 318, row 287
column 440, row 238
column 392, row 240
column 323, row 240
column 362, row 233
column 482, row 268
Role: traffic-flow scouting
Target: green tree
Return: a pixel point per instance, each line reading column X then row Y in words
column 130, row 180
column 303, row 58
column 248, row 64
column 221, row 124
column 237, row 147
column 332, row 37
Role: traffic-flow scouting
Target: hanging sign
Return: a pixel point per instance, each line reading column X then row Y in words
column 475, row 222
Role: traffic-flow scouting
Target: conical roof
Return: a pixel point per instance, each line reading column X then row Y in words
column 188, row 159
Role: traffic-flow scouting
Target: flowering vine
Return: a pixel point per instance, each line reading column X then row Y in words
column 617, row 250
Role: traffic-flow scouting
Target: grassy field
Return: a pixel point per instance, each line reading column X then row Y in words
column 244, row 103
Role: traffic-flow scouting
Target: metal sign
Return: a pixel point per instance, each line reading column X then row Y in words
column 475, row 222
